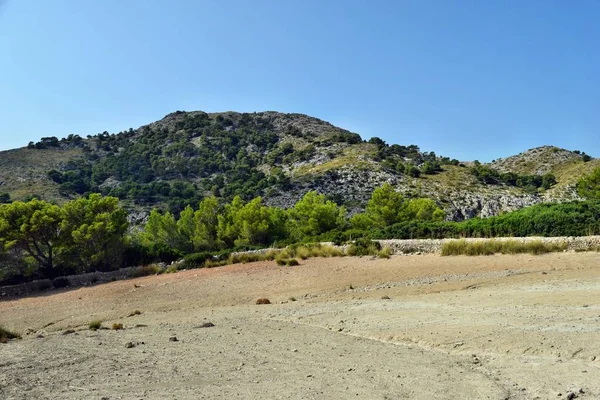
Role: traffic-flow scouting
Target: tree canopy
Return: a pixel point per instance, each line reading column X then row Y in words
column 589, row 185
column 83, row 234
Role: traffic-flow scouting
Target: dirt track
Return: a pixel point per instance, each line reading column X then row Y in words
column 518, row 327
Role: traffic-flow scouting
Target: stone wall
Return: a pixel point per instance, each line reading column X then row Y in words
column 435, row 245
column 409, row 246
column 88, row 279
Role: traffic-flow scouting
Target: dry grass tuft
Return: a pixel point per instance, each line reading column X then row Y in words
column 386, row 252
column 136, row 312
column 95, row 325
column 263, row 301
column 152, row 269
column 6, row 335
column 490, row 247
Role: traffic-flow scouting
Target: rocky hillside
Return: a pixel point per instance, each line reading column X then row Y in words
column 188, row 155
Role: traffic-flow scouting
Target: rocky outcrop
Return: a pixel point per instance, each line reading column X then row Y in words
column 345, row 185
column 471, row 205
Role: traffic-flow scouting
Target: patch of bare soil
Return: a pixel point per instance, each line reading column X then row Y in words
column 424, row 327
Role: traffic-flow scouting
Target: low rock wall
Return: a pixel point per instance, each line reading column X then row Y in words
column 408, row 246
column 87, row 279
column 435, row 245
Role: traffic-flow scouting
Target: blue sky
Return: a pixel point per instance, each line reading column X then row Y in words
column 466, row 79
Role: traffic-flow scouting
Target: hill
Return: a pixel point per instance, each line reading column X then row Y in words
column 186, row 156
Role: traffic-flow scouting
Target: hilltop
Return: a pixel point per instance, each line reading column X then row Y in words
column 186, row 156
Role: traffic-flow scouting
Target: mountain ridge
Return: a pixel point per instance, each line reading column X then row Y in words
column 186, row 156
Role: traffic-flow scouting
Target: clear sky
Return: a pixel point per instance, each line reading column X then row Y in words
column 466, row 79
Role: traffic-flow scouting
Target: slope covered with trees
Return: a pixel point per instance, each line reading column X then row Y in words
column 44, row 240
column 188, row 156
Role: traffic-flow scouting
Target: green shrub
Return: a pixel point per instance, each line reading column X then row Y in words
column 292, row 262
column 330, row 251
column 338, row 238
column 95, row 325
column 303, row 253
column 213, row 263
column 44, row 285
column 61, row 282
column 6, row 335
column 171, row 269
column 162, row 252
column 152, row 269
column 195, row 260
column 200, row 260
column 281, row 261
column 271, row 254
column 364, row 247
column 577, row 218
column 385, row 252
column 539, row 247
column 246, row 258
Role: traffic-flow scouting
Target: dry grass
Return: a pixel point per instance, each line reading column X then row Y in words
column 490, row 247
column 245, row 258
column 152, row 269
column 281, row 261
column 95, row 325
column 288, row 255
column 23, row 171
column 117, row 326
column 386, row 252
column 133, row 314
column 6, row 335
column 263, row 301
column 171, row 269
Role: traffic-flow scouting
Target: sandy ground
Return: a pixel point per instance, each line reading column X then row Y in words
column 418, row 327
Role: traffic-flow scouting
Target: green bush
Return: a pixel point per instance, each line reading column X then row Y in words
column 61, row 282
column 195, row 260
column 364, row 247
column 152, row 269
column 281, row 261
column 6, row 335
column 385, row 252
column 577, row 218
column 292, row 262
column 162, row 252
column 95, row 325
column 171, row 269
column 244, row 258
column 203, row 259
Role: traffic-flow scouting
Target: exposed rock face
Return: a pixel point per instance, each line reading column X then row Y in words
column 474, row 205
column 346, row 185
column 357, row 188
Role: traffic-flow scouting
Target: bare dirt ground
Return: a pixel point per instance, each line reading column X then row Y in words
column 418, row 327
